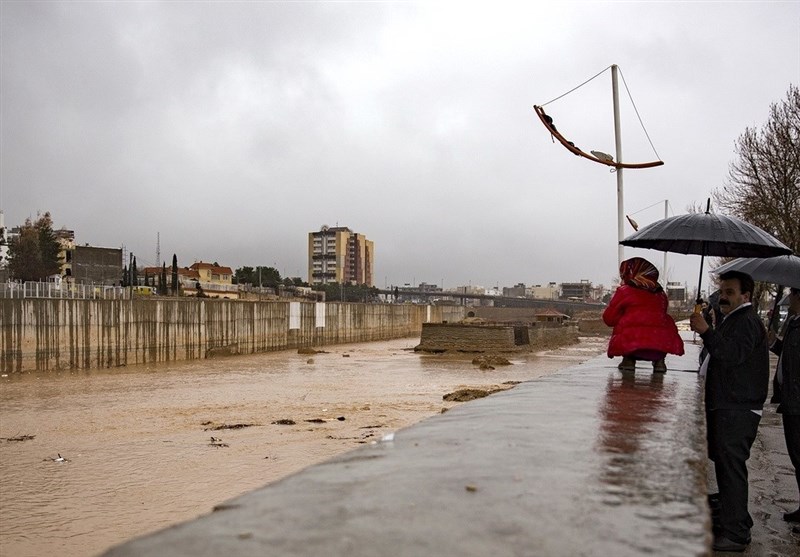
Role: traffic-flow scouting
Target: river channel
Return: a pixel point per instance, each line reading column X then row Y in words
column 146, row 447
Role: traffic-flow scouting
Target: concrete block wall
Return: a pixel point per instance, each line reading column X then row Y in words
column 543, row 338
column 468, row 338
column 594, row 327
column 50, row 334
column 439, row 337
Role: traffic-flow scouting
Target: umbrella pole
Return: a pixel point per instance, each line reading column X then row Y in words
column 698, row 303
column 775, row 318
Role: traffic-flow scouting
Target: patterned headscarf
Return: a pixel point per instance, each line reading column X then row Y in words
column 639, row 273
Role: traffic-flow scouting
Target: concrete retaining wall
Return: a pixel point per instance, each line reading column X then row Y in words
column 468, row 338
column 458, row 337
column 543, row 338
column 49, row 334
column 594, row 327
column 507, row 315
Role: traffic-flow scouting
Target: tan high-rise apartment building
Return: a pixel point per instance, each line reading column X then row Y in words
column 337, row 254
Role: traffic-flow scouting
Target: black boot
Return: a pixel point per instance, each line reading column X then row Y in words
column 627, row 364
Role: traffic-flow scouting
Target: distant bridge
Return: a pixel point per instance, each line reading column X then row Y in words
column 567, row 307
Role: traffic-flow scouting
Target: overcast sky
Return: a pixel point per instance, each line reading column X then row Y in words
column 233, row 129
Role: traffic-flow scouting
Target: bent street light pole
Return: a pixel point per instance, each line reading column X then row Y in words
column 618, row 142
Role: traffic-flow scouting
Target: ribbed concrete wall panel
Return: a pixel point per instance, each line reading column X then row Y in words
column 55, row 334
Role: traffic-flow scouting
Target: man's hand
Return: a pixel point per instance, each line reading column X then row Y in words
column 698, row 323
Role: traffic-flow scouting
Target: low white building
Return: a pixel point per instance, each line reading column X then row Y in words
column 3, row 241
column 539, row 292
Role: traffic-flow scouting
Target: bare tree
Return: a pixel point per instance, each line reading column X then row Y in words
column 763, row 186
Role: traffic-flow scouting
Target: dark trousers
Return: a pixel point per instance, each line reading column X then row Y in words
column 791, row 431
column 730, row 435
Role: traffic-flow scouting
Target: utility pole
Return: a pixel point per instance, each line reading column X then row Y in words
column 665, row 279
column 618, row 146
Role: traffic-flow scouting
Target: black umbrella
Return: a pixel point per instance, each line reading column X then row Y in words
column 783, row 270
column 707, row 234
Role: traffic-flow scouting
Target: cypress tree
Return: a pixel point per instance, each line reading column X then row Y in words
column 174, row 274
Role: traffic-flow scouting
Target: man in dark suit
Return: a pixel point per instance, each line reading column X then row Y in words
column 737, row 380
column 786, row 387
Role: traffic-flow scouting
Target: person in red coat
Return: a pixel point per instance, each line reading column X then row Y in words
column 638, row 313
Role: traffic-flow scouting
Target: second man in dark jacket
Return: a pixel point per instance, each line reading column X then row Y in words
column 736, row 370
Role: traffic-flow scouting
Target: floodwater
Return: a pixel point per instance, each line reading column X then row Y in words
column 146, row 447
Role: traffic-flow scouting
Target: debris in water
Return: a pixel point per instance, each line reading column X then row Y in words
column 284, row 422
column 217, row 442
column 489, row 361
column 227, row 426
column 17, row 438
column 464, row 395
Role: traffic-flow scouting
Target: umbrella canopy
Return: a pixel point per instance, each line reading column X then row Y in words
column 783, row 270
column 707, row 234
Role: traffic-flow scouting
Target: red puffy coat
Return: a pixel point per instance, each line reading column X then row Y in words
column 640, row 321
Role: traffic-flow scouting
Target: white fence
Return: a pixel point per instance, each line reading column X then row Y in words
column 63, row 290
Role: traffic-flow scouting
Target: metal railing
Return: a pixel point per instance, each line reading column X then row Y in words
column 63, row 290
column 210, row 286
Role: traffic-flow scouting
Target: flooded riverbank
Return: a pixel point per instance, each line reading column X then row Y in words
column 147, row 447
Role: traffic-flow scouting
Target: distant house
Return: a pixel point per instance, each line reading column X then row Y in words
column 215, row 274
column 200, row 279
column 550, row 315
column 209, row 280
column 151, row 276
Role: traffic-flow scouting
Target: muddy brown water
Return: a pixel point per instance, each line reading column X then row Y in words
column 150, row 446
